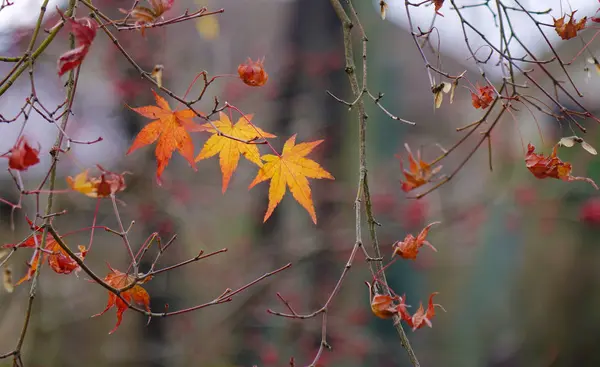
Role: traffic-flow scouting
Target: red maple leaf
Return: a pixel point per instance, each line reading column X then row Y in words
column 409, row 248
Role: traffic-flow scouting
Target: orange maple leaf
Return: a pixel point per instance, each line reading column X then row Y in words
column 137, row 294
column 551, row 166
column 422, row 317
column 229, row 150
column 569, row 29
column 170, row 129
column 291, row 169
column 418, row 174
column 409, row 248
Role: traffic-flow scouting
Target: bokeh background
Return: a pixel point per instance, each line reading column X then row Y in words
column 517, row 261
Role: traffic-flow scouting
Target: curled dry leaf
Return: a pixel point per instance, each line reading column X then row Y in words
column 571, row 140
column 291, row 169
column 157, row 73
column 419, row 172
column 144, row 15
column 84, row 30
column 422, row 317
column 569, row 29
column 253, row 73
column 22, row 155
column 438, row 93
column 409, row 248
column 483, row 98
column 135, row 294
column 229, row 150
column 383, row 7
column 385, row 306
column 7, row 280
column 170, row 129
column 109, row 183
column 551, row 166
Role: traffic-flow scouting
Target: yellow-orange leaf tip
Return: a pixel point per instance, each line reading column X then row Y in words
column 229, row 150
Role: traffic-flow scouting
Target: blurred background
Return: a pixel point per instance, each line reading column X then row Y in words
column 517, row 261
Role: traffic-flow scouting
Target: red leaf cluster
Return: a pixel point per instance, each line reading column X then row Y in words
column 483, row 98
column 84, row 30
column 387, row 306
column 409, row 248
column 23, row 155
column 58, row 259
column 551, row 166
column 253, row 73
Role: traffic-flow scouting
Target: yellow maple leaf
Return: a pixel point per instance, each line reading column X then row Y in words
column 229, row 150
column 291, row 169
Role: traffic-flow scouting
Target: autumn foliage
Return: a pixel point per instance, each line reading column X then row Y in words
column 290, row 162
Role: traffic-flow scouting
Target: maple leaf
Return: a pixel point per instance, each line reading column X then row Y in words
column 483, row 98
column 291, row 169
column 22, row 155
column 84, row 30
column 422, row 317
column 144, row 15
column 418, row 174
column 253, row 73
column 170, row 129
column 58, row 259
column 551, row 166
column 569, row 29
column 229, row 150
column 136, row 294
column 409, row 248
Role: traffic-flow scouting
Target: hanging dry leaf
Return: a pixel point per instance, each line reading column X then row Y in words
column 157, row 73
column 7, row 280
column 572, row 140
column 409, row 248
column 383, row 7
column 569, row 29
column 419, row 172
column 483, row 98
column 551, row 166
column 438, row 93
column 22, row 155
